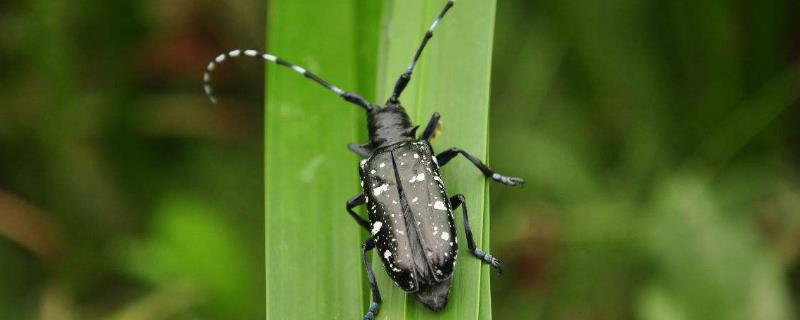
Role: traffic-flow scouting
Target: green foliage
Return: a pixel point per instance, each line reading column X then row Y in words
column 313, row 261
column 653, row 136
column 453, row 79
column 692, row 241
column 185, row 232
column 658, row 138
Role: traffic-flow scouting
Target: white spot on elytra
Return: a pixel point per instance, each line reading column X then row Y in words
column 382, row 165
column 387, row 254
column 445, row 236
column 415, row 199
column 419, row 177
column 376, row 227
column 381, row 189
column 416, row 156
column 438, row 205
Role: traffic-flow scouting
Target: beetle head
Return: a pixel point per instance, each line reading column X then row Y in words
column 389, row 125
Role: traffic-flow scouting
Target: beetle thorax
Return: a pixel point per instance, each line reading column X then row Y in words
column 389, row 125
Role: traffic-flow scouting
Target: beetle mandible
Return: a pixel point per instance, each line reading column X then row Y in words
column 410, row 213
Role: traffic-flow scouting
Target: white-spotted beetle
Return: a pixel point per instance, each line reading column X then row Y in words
column 410, row 212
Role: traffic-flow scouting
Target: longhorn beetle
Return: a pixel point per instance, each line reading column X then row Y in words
column 410, row 213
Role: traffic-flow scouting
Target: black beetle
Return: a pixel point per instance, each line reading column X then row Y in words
column 410, row 212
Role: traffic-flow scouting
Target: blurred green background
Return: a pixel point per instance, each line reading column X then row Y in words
column 659, row 140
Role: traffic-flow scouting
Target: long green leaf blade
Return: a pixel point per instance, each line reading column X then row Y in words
column 452, row 78
column 313, row 264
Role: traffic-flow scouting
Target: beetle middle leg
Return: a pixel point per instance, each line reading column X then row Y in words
column 355, row 202
column 445, row 157
column 458, row 200
column 376, row 294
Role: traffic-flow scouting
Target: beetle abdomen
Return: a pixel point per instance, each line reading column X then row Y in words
column 410, row 214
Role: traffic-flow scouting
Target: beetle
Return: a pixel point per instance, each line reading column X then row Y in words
column 410, row 211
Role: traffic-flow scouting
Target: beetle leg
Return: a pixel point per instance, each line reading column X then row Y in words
column 355, row 202
column 376, row 295
column 359, row 149
column 430, row 129
column 458, row 200
column 445, row 157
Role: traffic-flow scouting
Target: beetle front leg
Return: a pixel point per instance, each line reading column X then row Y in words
column 445, row 157
column 458, row 200
column 360, row 150
column 430, row 129
column 376, row 295
column 355, row 202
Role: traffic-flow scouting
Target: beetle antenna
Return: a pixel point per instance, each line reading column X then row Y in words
column 401, row 83
column 348, row 96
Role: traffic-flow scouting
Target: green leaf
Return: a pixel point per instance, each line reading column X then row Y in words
column 313, row 265
column 452, row 78
column 712, row 265
column 188, row 232
column 313, row 261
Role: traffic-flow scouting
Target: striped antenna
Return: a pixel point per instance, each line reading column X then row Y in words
column 406, row 76
column 348, row 96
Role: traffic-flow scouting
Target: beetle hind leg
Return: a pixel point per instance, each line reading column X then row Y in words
column 376, row 294
column 458, row 200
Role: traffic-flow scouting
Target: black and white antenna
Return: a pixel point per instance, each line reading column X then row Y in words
column 349, row 96
column 406, row 76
